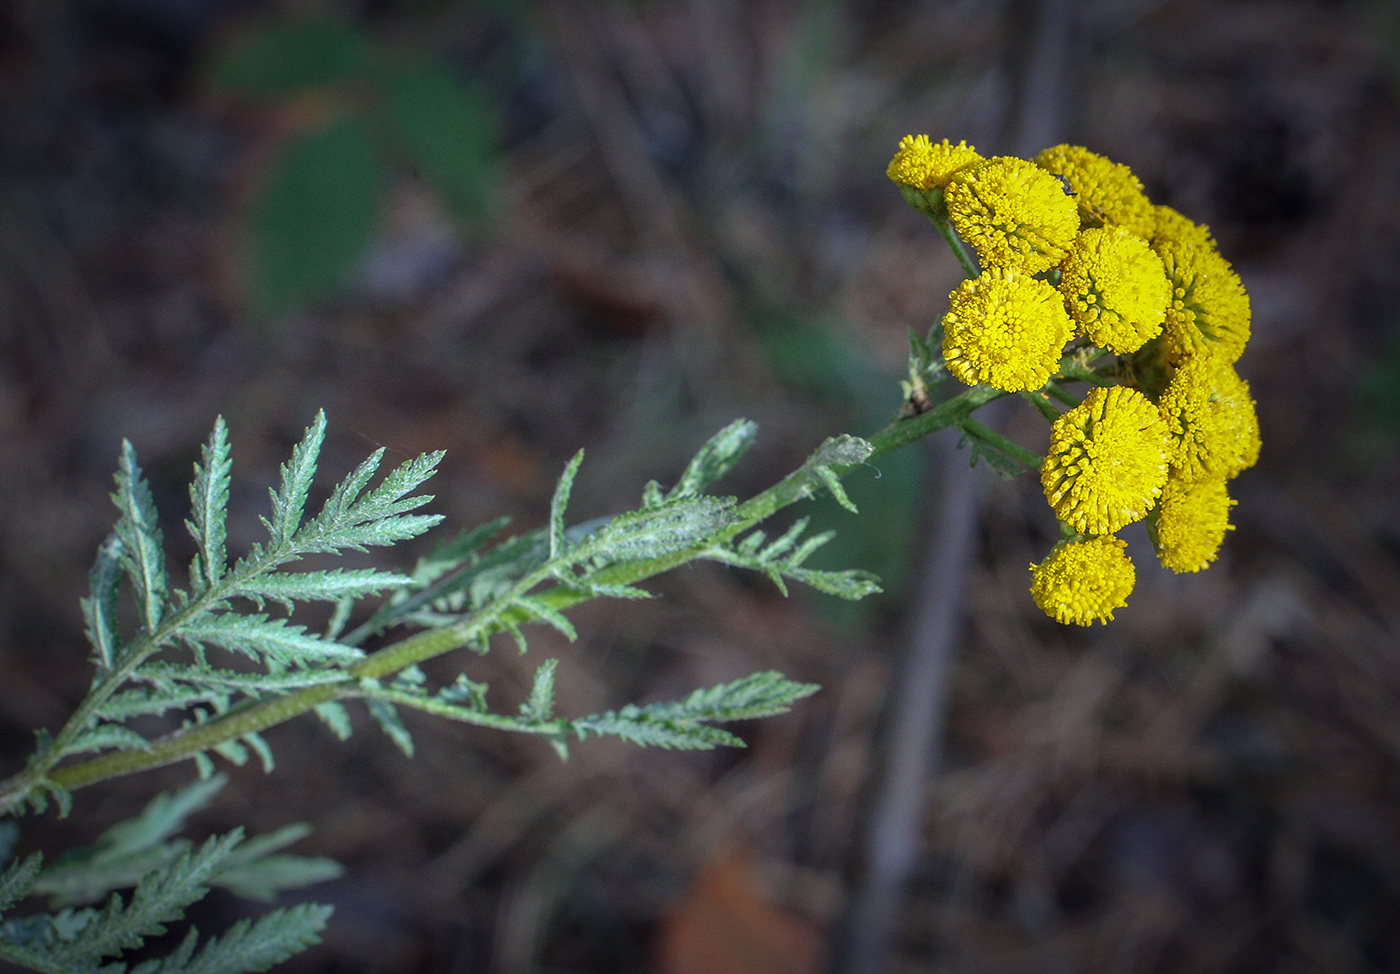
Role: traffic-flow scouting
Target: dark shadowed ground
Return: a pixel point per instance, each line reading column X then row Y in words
column 693, row 224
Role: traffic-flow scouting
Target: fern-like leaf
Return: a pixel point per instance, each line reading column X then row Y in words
column 838, row 451
column 246, row 947
column 539, row 706
column 16, row 881
column 322, row 586
column 716, row 458
column 160, row 898
column 258, row 870
column 336, row 717
column 289, row 500
column 209, row 510
column 274, row 641
column 128, row 850
column 142, row 555
column 465, row 692
column 559, row 504
column 387, row 717
column 108, row 736
column 685, row 724
column 100, row 606
column 782, row 559
column 655, row 532
column 380, row 517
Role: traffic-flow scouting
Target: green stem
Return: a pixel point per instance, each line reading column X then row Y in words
column 1027, row 458
column 955, row 244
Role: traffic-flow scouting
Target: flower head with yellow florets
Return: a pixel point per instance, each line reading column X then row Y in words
column 1107, row 461
column 924, row 164
column 1212, row 427
column 1084, row 582
column 1107, row 192
column 1209, row 310
column 1005, row 329
column 1013, row 213
column 1171, row 227
column 1114, row 286
column 1190, row 522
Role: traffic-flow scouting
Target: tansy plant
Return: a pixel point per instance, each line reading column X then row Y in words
column 1074, row 279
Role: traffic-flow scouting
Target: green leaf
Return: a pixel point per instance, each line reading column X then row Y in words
column 272, row 640
column 716, row 458
column 289, row 501
column 246, row 947
column 757, row 695
column 253, row 871
column 141, row 553
column 387, row 718
column 315, row 217
column 283, row 56
column 377, row 531
column 653, row 532
column 379, row 517
column 336, row 717
column 349, row 489
column 159, row 899
column 685, row 723
column 852, row 584
column 843, row 450
column 447, row 555
column 108, row 736
column 465, row 691
column 636, row 725
column 255, row 741
column 233, row 752
column 539, row 707
column 324, row 586
column 783, row 558
column 391, row 498
column 543, row 612
column 448, row 128
column 209, row 509
column 100, row 607
column 560, row 502
column 596, row 590
column 832, row 482
column 16, row 881
column 143, row 701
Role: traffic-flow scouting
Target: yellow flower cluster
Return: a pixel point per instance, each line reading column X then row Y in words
column 1071, row 255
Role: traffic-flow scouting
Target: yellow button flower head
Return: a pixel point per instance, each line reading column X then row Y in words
column 1115, row 287
column 1107, row 461
column 1169, row 226
column 1084, row 582
column 1013, row 213
column 1107, row 192
column 1212, row 428
column 1006, row 329
column 1239, row 422
column 1190, row 522
column 924, row 164
column 1209, row 309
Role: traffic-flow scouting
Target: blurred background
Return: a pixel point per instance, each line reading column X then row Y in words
column 513, row 230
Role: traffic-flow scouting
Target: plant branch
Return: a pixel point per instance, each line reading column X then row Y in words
column 502, row 614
